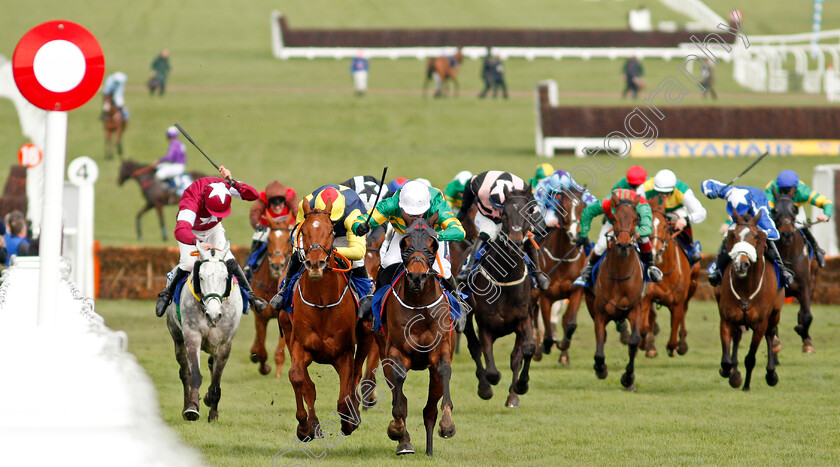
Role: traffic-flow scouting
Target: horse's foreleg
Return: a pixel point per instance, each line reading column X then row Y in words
column 491, row 372
column 192, row 343
column 771, row 377
column 484, row 389
column 280, row 356
column 527, row 348
column 430, row 412
column 682, row 344
column 647, row 316
column 396, row 372
column 444, row 371
column 299, row 378
column 735, row 379
column 570, row 324
column 677, row 320
column 515, row 365
column 259, row 354
column 108, row 152
column 629, row 376
column 550, row 336
column 725, row 343
column 183, row 370
column 749, row 361
column 600, row 322
column 457, row 86
column 348, row 402
column 214, row 392
column 138, row 222
column 804, row 318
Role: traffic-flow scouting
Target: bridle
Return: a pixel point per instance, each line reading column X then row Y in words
column 194, row 283
column 317, row 246
column 331, row 254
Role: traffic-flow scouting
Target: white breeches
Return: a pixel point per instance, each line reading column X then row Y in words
column 486, row 225
column 360, row 80
column 601, row 244
column 166, row 170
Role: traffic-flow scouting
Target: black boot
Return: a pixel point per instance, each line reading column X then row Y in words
column 543, row 281
column 277, row 302
column 654, row 274
column 363, row 312
column 721, row 263
column 773, row 253
column 165, row 296
column 234, row 269
column 586, row 273
column 470, row 263
column 819, row 253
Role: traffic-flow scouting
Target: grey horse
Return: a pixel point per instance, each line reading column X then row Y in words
column 207, row 320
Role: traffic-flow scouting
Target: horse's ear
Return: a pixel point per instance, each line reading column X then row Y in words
column 405, row 242
column 434, row 219
column 614, row 198
column 754, row 220
column 775, row 194
column 328, row 206
column 506, row 191
column 306, row 208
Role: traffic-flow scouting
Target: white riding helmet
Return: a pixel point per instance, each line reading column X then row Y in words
column 172, row 132
column 120, row 76
column 464, row 176
column 415, row 198
column 665, row 181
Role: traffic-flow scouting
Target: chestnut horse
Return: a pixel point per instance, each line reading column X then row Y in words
column 748, row 297
column 794, row 252
column 417, row 323
column 156, row 192
column 562, row 261
column 366, row 339
column 679, row 282
column 501, row 301
column 619, row 288
column 441, row 70
column 264, row 283
column 114, row 125
column 323, row 325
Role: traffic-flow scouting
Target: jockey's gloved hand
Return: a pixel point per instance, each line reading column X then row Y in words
column 260, row 228
column 581, row 240
column 363, row 229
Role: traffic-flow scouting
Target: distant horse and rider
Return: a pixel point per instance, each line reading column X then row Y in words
column 442, row 70
column 114, row 123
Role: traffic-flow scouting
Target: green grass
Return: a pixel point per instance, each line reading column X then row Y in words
column 683, row 412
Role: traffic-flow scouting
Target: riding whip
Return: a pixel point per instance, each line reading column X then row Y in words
column 184, row 132
column 381, row 186
column 745, row 170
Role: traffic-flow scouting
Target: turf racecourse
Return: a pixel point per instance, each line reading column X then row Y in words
column 683, row 412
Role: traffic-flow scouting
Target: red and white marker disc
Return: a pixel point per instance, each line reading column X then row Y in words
column 58, row 65
column 30, row 155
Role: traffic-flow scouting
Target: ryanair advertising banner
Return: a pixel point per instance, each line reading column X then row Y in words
column 734, row 147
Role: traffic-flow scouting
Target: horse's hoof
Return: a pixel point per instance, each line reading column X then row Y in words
column 564, row 358
column 214, row 415
column 191, row 414
column 493, row 377
column 627, row 380
column 446, row 432
column 405, row 448
column 682, row 348
column 254, row 358
column 651, row 353
column 512, row 402
column 565, row 344
column 772, row 378
column 735, row 379
column 520, row 387
column 725, row 373
column 548, row 343
column 808, row 349
column 537, row 356
column 746, row 389
column 264, row 369
column 670, row 351
column 631, row 388
column 601, row 372
column 485, row 391
column 304, row 435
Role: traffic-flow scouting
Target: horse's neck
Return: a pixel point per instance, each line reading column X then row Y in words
column 796, row 247
column 623, row 263
column 431, row 291
column 558, row 242
column 502, row 259
column 323, row 291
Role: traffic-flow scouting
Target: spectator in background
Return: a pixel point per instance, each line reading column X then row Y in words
column 15, row 238
column 499, row 78
column 633, row 77
column 488, row 73
column 160, row 72
column 359, row 70
column 708, row 82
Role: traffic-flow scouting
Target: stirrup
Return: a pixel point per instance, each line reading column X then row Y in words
column 654, row 273
column 163, row 302
column 715, row 278
column 365, row 307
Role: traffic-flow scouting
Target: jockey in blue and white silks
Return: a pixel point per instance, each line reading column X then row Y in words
column 550, row 187
column 743, row 200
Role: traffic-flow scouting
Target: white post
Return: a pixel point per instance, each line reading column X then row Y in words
column 50, row 239
column 83, row 172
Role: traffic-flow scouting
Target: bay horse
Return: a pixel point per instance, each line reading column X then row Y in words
column 417, row 323
column 794, row 252
column 156, row 192
column 264, row 284
column 678, row 284
column 323, row 325
column 366, row 339
column 748, row 296
column 441, row 70
column 207, row 319
column 562, row 261
column 114, row 125
column 618, row 291
column 501, row 301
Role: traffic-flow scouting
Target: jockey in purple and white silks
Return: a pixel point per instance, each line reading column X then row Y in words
column 172, row 165
column 743, row 200
column 549, row 188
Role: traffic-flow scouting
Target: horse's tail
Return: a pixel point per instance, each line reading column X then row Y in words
column 430, row 68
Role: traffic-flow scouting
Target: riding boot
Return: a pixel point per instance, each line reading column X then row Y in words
column 468, row 266
column 654, row 274
column 249, row 272
column 693, row 247
column 449, row 285
column 543, row 282
column 586, row 273
column 773, row 253
column 819, row 253
column 387, row 275
column 278, row 301
column 365, row 300
column 256, row 302
column 716, row 274
column 165, row 296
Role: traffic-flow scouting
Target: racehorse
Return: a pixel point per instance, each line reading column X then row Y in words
column 748, row 296
column 157, row 192
column 366, row 339
column 323, row 325
column 501, row 301
column 207, row 319
column 114, row 124
column 417, row 323
column 562, row 261
column 678, row 284
column 794, row 252
column 441, row 70
column 264, row 284
column 619, row 288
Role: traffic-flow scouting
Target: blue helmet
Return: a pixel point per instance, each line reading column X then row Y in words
column 787, row 179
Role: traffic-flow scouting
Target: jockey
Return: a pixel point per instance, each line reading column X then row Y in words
column 788, row 183
column 115, row 87
column 172, row 165
column 487, row 191
column 679, row 200
column 543, row 171
column 273, row 204
column 745, row 200
column 549, row 188
column 455, row 189
column 643, row 230
column 413, row 200
column 636, row 175
column 201, row 210
column 367, row 187
column 346, row 207
column 395, row 185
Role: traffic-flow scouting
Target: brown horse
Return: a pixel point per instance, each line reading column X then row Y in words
column 264, row 284
column 501, row 301
column 619, row 288
column 114, row 125
column 156, row 192
column 562, row 261
column 417, row 323
column 748, row 296
column 323, row 325
column 679, row 282
column 794, row 252
column 442, row 70
column 366, row 339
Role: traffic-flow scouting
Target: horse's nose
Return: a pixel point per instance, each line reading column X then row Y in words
column 322, row 264
column 212, row 318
